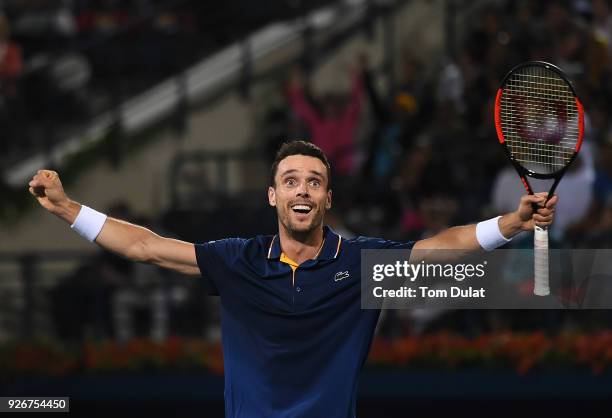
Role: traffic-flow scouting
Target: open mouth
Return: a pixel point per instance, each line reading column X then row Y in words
column 301, row 208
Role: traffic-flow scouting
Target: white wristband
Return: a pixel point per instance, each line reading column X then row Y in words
column 489, row 235
column 88, row 223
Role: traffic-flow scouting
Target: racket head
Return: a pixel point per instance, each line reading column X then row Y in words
column 539, row 120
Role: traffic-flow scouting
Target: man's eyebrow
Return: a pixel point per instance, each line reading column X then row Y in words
column 291, row 170
column 294, row 170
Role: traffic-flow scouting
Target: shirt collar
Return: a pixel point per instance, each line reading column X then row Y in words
column 330, row 250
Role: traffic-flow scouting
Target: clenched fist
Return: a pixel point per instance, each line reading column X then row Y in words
column 536, row 210
column 48, row 190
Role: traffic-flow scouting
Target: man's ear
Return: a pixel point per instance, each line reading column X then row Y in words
column 271, row 196
column 328, row 201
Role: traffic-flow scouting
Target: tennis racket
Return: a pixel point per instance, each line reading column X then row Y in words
column 540, row 124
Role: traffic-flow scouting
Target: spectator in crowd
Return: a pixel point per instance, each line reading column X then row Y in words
column 332, row 126
column 396, row 122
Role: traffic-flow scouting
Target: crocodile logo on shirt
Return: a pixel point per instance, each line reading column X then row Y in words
column 341, row 275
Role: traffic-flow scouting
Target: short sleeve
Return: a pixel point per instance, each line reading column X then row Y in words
column 215, row 260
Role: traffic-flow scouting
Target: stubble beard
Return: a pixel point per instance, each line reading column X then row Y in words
column 300, row 231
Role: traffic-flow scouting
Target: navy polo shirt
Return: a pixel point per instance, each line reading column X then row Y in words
column 291, row 349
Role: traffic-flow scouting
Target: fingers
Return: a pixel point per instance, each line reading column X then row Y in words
column 544, row 215
column 552, row 201
column 47, row 174
column 37, row 191
column 43, row 178
column 540, row 199
column 544, row 212
column 543, row 220
column 533, row 198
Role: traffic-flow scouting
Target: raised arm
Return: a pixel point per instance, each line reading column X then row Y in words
column 353, row 109
column 298, row 102
column 465, row 238
column 128, row 240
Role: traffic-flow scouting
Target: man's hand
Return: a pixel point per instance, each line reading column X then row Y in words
column 544, row 215
column 48, row 190
column 525, row 217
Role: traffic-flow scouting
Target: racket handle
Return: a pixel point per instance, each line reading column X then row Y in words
column 540, row 245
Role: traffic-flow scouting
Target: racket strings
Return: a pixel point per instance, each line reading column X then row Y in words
column 539, row 119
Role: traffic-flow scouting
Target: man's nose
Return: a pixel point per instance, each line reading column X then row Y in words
column 302, row 189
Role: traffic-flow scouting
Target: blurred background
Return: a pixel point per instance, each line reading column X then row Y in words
column 168, row 113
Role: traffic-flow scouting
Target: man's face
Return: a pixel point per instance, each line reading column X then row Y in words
column 300, row 193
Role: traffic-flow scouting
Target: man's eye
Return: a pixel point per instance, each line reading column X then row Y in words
column 290, row 182
column 315, row 183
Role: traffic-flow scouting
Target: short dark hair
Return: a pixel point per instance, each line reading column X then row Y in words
column 297, row 147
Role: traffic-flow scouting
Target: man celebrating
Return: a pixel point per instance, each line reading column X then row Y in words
column 294, row 334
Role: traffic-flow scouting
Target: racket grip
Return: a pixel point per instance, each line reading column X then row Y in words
column 540, row 245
